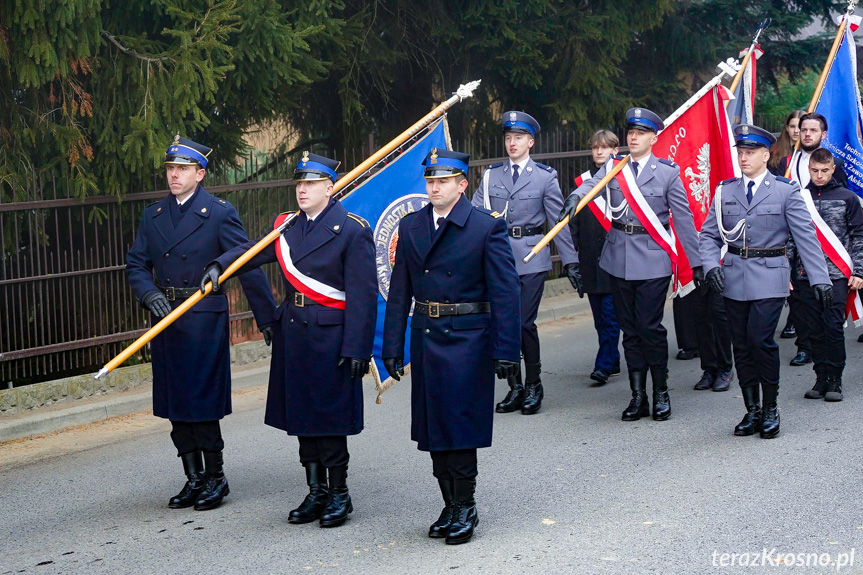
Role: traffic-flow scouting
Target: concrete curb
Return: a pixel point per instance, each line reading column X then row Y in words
column 249, row 363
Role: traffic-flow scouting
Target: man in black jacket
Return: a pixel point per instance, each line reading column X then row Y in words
column 839, row 219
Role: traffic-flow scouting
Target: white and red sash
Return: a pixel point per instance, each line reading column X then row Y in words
column 309, row 287
column 598, row 205
column 643, row 212
column 833, row 249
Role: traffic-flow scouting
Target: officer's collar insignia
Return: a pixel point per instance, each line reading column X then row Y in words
column 529, row 169
column 433, row 157
column 637, row 113
column 512, row 117
column 176, row 140
column 744, row 129
column 652, row 166
column 767, row 183
column 335, row 227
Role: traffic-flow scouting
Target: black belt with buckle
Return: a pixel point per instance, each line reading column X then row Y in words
column 173, row 294
column 756, row 252
column 301, row 300
column 521, row 232
column 629, row 229
column 435, row 309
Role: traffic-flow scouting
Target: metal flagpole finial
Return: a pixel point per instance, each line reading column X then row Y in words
column 852, row 4
column 466, row 90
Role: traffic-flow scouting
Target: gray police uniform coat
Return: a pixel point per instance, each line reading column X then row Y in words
column 638, row 256
column 777, row 212
column 533, row 200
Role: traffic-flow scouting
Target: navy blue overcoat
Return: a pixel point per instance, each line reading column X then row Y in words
column 309, row 394
column 191, row 359
column 468, row 260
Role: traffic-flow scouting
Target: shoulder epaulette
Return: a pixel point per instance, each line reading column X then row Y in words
column 488, row 212
column 667, row 162
column 496, row 165
column 153, row 204
column 784, row 180
column 729, row 180
column 359, row 220
column 548, row 169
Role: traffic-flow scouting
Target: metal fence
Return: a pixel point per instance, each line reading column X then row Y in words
column 65, row 303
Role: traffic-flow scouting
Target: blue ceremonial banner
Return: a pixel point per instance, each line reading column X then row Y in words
column 840, row 104
column 397, row 189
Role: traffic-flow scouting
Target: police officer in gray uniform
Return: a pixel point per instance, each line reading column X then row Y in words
column 640, row 268
column 528, row 195
column 754, row 215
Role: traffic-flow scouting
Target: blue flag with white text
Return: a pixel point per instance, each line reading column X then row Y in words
column 840, row 104
column 383, row 199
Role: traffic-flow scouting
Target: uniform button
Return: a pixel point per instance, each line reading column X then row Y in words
column 510, row 221
column 305, row 322
column 426, row 272
column 182, row 257
column 167, row 281
column 748, row 225
column 449, row 274
column 426, row 331
column 185, row 282
column 167, row 255
column 447, row 301
column 446, row 332
column 512, row 209
column 292, row 321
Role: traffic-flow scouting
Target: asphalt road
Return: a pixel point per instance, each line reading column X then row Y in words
column 569, row 490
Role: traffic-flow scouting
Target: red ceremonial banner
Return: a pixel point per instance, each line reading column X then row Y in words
column 700, row 142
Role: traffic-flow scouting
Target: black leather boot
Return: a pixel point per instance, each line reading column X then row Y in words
column 339, row 501
column 770, row 416
column 751, row 422
column 514, row 397
column 818, row 390
column 193, row 465
column 440, row 528
column 639, row 406
column 661, row 401
column 465, row 518
column 216, row 488
column 312, row 506
column 533, row 393
column 834, row 388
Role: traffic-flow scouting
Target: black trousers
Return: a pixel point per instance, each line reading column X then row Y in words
column 823, row 329
column 454, row 464
column 189, row 436
column 328, row 450
column 753, row 327
column 532, row 286
column 714, row 339
column 685, row 326
column 639, row 306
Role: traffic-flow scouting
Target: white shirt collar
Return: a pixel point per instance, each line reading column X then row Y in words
column 521, row 165
column 757, row 179
column 186, row 199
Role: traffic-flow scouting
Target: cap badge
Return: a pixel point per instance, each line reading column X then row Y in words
column 744, row 129
column 176, row 140
column 433, row 156
column 637, row 113
column 305, row 156
column 513, row 116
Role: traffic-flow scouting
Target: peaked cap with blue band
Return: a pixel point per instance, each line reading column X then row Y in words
column 519, row 122
column 441, row 163
column 644, row 119
column 314, row 167
column 749, row 136
column 185, row 152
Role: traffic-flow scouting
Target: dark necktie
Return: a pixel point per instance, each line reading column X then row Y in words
column 514, row 173
column 635, row 168
column 440, row 222
column 749, row 191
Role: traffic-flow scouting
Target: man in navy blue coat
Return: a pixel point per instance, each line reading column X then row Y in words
column 324, row 335
column 177, row 237
column 456, row 262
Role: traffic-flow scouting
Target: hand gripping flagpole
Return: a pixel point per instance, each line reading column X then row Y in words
column 819, row 88
column 464, row 91
column 725, row 69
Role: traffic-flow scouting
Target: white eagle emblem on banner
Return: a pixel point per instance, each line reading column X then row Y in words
column 699, row 182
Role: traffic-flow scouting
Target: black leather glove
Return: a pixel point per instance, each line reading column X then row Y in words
column 569, row 207
column 395, row 367
column 157, row 303
column 268, row 334
column 698, row 276
column 574, row 276
column 824, row 294
column 211, row 274
column 716, row 280
column 504, row 368
column 359, row 367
